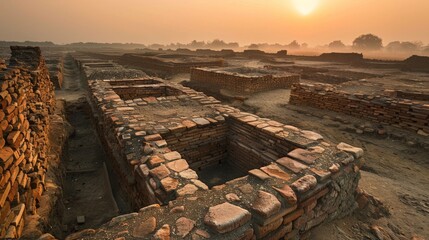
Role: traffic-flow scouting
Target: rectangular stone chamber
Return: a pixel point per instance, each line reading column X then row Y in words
column 225, row 151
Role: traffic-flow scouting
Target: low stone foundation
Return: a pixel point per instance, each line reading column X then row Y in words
column 168, row 64
column 293, row 180
column 243, row 81
column 27, row 99
column 407, row 114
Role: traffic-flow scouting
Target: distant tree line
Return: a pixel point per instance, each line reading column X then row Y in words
column 364, row 42
column 371, row 42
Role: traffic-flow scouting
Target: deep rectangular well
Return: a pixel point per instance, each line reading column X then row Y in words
column 230, row 143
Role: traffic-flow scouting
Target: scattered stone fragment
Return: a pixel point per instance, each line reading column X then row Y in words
column 232, row 197
column 144, row 228
column 163, row 233
column 334, row 168
column 148, row 208
column 202, row 233
column 226, row 217
column 246, row 188
column 177, row 209
column 200, row 184
column 184, row 226
column 121, row 218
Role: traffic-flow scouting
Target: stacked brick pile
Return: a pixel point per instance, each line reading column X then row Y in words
column 408, row 114
column 26, row 101
column 214, row 80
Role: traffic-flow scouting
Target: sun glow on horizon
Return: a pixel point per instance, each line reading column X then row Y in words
column 305, row 7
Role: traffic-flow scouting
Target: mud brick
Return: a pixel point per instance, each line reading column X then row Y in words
column 160, row 172
column 154, row 137
column 189, row 124
column 155, row 161
column 291, row 164
column 262, row 231
column 19, row 212
column 4, row 194
column 274, row 171
column 13, row 191
column 226, row 217
column 4, row 211
column 6, row 153
column 303, row 155
column 266, row 204
column 5, row 178
column 13, row 136
column 293, row 216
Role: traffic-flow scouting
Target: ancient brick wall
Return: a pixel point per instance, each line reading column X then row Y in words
column 408, row 114
column 296, row 180
column 27, row 99
column 166, row 66
column 240, row 83
column 56, row 71
column 201, row 147
column 419, row 96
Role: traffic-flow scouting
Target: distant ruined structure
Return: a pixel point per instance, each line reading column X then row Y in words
column 242, row 80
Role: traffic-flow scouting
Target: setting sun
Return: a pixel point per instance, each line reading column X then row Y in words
column 305, row 7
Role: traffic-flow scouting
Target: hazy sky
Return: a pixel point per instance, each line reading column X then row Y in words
column 244, row 21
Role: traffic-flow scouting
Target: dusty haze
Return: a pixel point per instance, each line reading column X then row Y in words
column 243, row 21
